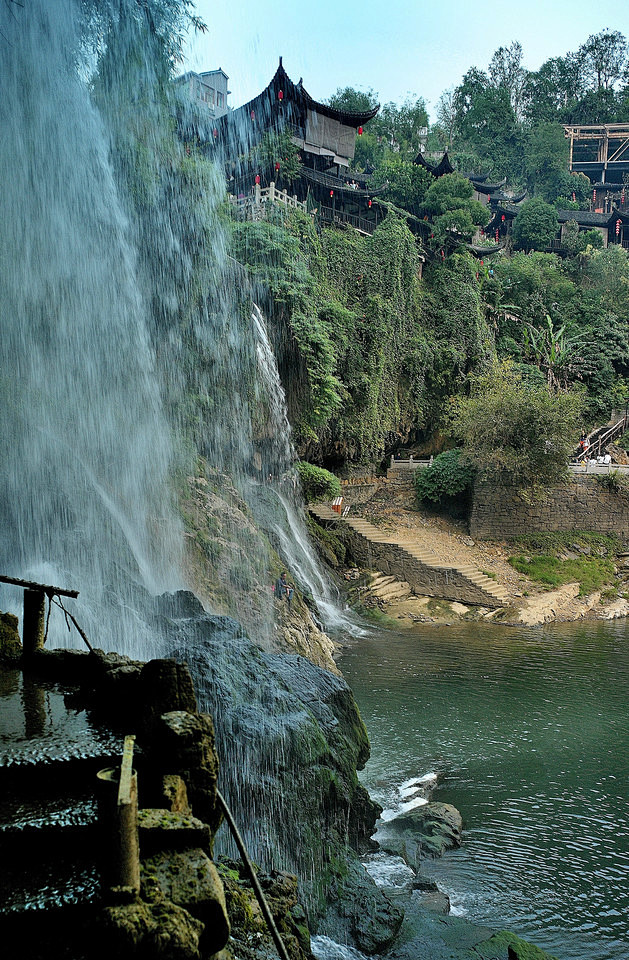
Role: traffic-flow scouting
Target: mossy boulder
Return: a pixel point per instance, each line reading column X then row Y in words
column 189, row 879
column 157, row 931
column 10, row 645
column 426, row 831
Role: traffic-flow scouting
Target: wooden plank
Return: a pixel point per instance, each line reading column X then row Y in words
column 47, row 588
column 126, row 771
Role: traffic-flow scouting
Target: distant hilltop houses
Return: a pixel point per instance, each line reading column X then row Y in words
column 327, row 187
column 210, row 88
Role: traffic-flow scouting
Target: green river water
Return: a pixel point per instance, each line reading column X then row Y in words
column 528, row 731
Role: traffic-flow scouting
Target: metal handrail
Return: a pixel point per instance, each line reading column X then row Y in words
column 604, row 438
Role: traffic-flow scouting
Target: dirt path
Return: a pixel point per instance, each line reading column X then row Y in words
column 392, row 507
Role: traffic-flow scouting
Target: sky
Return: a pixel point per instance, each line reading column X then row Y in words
column 397, row 48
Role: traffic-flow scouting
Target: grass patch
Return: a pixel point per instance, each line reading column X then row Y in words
column 554, row 542
column 591, row 573
column 375, row 615
column 539, row 558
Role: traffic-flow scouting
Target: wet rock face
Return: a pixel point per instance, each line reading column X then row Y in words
column 361, row 913
column 290, row 739
column 190, row 880
column 251, row 939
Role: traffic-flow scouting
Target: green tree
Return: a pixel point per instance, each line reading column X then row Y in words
column 353, row 101
column 487, row 124
column 406, row 182
column 604, row 58
column 450, row 204
column 546, row 157
column 515, row 431
column 535, row 225
column 551, row 90
column 506, row 72
column 553, row 349
column 447, row 481
column 279, row 148
column 402, row 127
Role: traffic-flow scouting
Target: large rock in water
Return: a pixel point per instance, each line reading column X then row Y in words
column 426, row 831
column 290, row 740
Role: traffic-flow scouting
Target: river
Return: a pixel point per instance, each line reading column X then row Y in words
column 528, row 731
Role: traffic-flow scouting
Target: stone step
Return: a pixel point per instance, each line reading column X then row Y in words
column 397, row 591
column 380, row 580
column 159, row 829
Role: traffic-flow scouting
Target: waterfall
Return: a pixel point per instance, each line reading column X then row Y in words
column 84, row 498
column 281, row 507
column 129, row 352
column 115, row 370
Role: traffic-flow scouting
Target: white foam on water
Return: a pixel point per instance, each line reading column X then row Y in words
column 324, row 948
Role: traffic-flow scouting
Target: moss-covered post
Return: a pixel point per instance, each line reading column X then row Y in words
column 118, row 819
column 34, row 627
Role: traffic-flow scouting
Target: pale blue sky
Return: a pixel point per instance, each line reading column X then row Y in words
column 396, row 47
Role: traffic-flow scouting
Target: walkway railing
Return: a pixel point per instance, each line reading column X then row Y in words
column 262, row 195
column 599, row 438
column 407, row 466
column 331, row 215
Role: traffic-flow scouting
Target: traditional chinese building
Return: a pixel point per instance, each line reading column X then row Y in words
column 325, row 138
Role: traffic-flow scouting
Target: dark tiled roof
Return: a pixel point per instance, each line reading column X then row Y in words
column 585, row 218
column 438, row 170
column 488, row 188
column 338, row 183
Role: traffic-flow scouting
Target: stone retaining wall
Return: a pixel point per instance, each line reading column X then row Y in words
column 445, row 582
column 581, row 503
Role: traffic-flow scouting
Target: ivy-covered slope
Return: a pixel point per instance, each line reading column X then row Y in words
column 367, row 350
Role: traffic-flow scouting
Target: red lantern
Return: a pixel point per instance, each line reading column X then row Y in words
column 257, row 178
column 215, row 131
column 253, row 114
column 497, row 234
column 481, row 263
column 443, row 256
column 360, row 131
column 503, row 218
column 617, row 227
column 594, row 196
column 280, row 95
column 370, row 203
column 277, row 164
column 331, row 193
column 574, row 197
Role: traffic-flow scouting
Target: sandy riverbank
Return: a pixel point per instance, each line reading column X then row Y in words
column 392, row 507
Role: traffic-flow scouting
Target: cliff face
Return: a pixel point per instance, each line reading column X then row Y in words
column 290, row 740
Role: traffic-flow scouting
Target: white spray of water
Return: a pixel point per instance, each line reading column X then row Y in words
column 84, row 496
column 290, row 528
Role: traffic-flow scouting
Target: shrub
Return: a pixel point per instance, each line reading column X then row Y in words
column 449, row 477
column 317, row 483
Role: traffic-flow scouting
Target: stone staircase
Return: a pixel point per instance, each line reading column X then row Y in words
column 49, row 757
column 58, row 874
column 408, row 563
